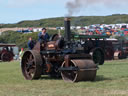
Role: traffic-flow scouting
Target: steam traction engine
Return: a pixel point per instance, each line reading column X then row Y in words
column 6, row 52
column 59, row 57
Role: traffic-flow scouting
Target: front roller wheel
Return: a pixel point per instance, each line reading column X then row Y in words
column 86, row 71
column 31, row 65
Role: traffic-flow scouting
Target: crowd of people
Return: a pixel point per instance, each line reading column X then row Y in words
column 120, row 31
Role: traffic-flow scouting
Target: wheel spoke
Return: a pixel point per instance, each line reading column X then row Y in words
column 30, row 57
column 27, row 60
column 32, row 61
column 31, row 71
column 30, row 66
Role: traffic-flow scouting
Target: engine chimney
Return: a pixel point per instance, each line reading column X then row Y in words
column 67, row 28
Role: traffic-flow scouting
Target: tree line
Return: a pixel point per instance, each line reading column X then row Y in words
column 76, row 21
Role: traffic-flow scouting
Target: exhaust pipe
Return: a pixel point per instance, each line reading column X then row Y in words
column 67, row 29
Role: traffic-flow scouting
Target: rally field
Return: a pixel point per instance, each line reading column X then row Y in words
column 111, row 80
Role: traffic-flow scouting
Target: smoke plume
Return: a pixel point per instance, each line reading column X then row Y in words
column 76, row 5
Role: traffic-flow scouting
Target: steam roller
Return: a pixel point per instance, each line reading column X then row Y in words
column 59, row 57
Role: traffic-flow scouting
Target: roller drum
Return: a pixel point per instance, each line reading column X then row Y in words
column 87, row 71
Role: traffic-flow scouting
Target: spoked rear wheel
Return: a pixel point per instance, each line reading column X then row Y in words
column 97, row 56
column 31, row 65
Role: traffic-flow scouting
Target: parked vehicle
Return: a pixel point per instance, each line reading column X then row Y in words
column 7, row 51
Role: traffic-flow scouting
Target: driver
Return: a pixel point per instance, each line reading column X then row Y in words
column 43, row 36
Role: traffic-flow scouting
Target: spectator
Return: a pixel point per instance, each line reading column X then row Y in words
column 43, row 36
column 21, row 53
column 30, row 43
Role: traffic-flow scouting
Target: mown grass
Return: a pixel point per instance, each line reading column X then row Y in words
column 111, row 80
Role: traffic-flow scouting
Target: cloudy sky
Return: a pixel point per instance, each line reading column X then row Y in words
column 12, row 11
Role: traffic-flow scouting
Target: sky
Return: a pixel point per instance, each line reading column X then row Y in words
column 13, row 11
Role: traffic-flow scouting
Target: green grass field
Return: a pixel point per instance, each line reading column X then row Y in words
column 111, row 80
